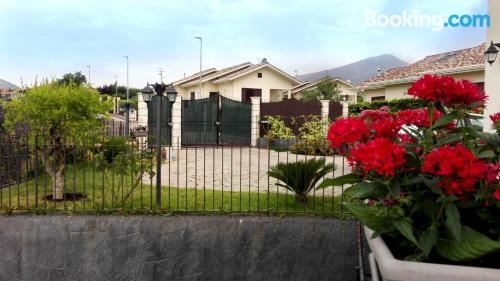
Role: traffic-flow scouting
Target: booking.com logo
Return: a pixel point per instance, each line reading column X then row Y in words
column 416, row 19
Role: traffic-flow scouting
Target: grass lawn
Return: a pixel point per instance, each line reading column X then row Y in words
column 112, row 192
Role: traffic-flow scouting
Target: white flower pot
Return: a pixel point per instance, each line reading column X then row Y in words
column 383, row 263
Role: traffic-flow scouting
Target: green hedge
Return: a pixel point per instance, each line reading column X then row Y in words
column 394, row 105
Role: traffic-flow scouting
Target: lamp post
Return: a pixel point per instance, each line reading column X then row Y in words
column 88, row 66
column 492, row 52
column 201, row 50
column 127, row 106
column 147, row 94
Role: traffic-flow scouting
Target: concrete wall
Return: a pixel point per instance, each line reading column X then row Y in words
column 176, row 248
column 492, row 76
column 399, row 91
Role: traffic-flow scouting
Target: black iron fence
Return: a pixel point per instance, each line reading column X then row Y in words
column 101, row 173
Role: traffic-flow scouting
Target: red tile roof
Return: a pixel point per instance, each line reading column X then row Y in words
column 449, row 60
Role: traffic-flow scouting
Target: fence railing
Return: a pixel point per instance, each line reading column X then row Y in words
column 100, row 173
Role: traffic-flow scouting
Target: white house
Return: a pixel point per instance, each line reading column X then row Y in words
column 238, row 82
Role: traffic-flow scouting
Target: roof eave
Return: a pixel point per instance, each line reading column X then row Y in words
column 455, row 70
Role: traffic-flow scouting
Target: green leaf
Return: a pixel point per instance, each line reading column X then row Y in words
column 427, row 240
column 490, row 138
column 452, row 221
column 473, row 245
column 368, row 217
column 444, row 120
column 362, row 190
column 486, row 154
column 405, row 228
column 339, row 181
column 448, row 139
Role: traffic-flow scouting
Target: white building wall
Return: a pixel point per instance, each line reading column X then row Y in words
column 492, row 73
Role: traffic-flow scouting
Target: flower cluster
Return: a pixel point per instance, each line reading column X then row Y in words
column 379, row 155
column 458, row 168
column 347, row 131
column 418, row 117
column 447, row 91
column 495, row 117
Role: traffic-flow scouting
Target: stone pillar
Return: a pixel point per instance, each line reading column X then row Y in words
column 142, row 111
column 492, row 72
column 255, row 120
column 345, row 108
column 325, row 107
column 176, row 122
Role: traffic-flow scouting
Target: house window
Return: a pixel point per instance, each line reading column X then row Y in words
column 259, row 75
column 192, row 96
column 379, row 98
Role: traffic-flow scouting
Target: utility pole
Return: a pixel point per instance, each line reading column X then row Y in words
column 160, row 72
column 116, row 85
column 127, row 106
column 90, row 84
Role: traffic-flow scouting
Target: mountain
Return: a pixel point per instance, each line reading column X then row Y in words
column 359, row 71
column 7, row 85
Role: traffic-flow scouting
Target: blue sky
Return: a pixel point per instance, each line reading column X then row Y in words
column 52, row 37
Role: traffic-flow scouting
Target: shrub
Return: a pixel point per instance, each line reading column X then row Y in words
column 311, row 138
column 394, row 105
column 277, row 129
column 300, row 177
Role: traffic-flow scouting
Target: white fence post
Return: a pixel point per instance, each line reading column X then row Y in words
column 176, row 122
column 255, row 120
column 325, row 107
column 345, row 108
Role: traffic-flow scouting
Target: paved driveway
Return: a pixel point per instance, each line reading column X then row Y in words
column 234, row 168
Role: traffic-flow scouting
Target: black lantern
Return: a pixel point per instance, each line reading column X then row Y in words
column 147, row 93
column 492, row 52
column 171, row 93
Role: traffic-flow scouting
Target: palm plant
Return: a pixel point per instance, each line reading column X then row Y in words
column 300, row 177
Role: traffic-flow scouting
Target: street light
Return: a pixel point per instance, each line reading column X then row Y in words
column 492, row 52
column 201, row 50
column 147, row 95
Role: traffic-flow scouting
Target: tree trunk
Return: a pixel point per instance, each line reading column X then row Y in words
column 58, row 184
column 301, row 198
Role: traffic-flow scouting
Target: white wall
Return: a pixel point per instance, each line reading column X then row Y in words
column 492, row 73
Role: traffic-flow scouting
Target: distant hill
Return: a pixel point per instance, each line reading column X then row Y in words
column 7, row 85
column 359, row 71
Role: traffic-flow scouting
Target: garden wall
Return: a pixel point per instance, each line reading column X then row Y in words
column 176, row 248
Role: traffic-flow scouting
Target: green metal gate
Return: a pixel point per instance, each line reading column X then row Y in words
column 199, row 119
column 215, row 121
column 235, row 122
column 166, row 119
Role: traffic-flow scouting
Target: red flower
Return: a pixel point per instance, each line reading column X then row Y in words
column 495, row 117
column 381, row 123
column 449, row 92
column 492, row 173
column 347, row 131
column 374, row 115
column 379, row 155
column 418, row 117
column 457, row 166
column 385, row 128
column 496, row 194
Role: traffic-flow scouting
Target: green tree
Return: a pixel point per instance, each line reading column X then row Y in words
column 326, row 89
column 117, row 90
column 77, row 78
column 61, row 116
